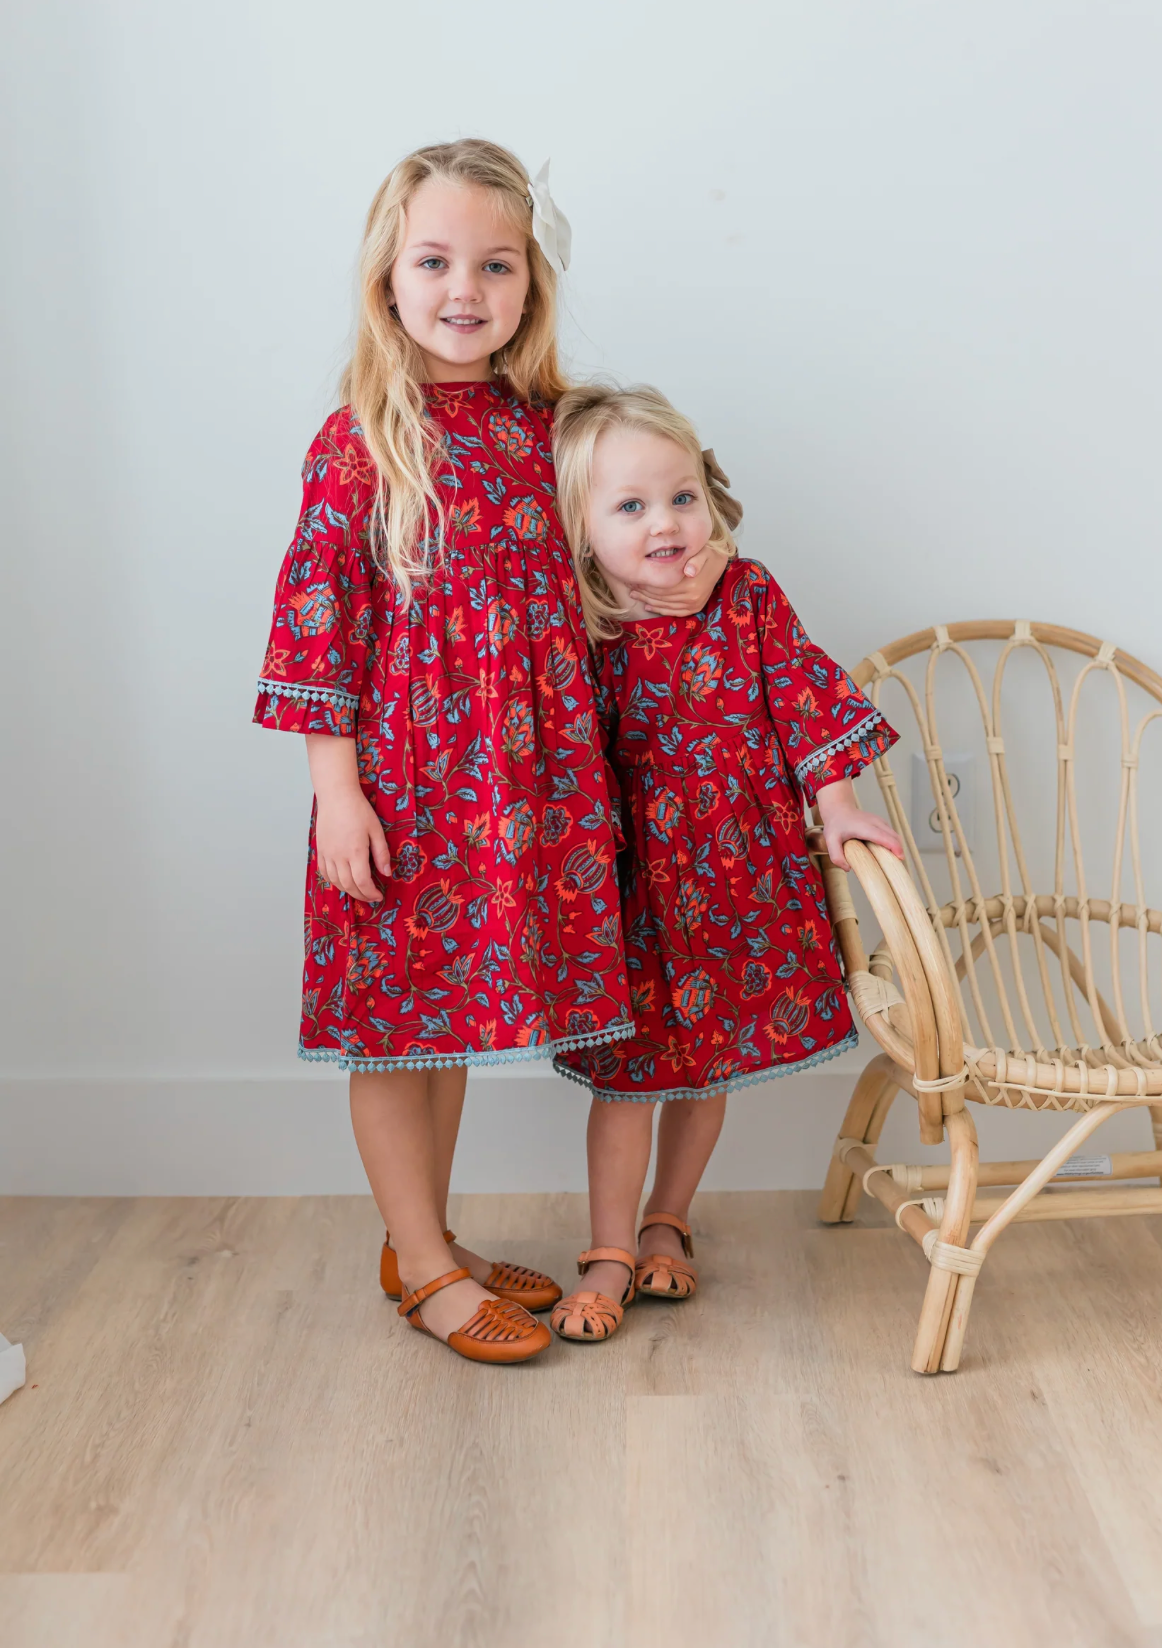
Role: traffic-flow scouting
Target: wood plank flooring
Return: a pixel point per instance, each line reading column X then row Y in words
column 230, row 1441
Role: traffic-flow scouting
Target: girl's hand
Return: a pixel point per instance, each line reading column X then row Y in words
column 349, row 838
column 843, row 821
column 689, row 594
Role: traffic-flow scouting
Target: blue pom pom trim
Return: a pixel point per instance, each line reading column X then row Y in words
column 744, row 1079
column 471, row 1056
column 299, row 690
column 818, row 758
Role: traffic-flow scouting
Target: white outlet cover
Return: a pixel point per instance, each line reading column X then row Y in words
column 925, row 820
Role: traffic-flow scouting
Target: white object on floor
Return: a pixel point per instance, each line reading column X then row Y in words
column 12, row 1368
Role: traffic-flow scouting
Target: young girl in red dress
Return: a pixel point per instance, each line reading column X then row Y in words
column 429, row 642
column 722, row 727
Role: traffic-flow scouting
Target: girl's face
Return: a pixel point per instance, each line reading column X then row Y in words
column 460, row 281
column 647, row 509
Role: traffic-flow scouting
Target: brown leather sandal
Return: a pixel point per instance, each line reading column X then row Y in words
column 530, row 1288
column 660, row 1276
column 499, row 1331
column 585, row 1318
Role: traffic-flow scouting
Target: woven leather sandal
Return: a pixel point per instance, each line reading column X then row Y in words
column 586, row 1318
column 530, row 1288
column 660, row 1276
column 499, row 1331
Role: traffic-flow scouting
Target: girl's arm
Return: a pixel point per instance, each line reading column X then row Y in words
column 843, row 821
column 315, row 661
column 828, row 729
column 349, row 838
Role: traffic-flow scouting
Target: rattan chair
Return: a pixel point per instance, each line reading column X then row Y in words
column 992, row 994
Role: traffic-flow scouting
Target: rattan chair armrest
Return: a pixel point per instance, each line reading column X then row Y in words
column 941, row 980
column 905, row 1048
column 873, row 996
column 918, row 1049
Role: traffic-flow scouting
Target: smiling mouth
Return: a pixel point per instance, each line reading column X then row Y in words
column 666, row 553
column 462, row 323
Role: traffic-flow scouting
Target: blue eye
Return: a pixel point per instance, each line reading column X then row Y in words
column 497, row 268
column 631, row 506
column 431, row 263
column 684, row 498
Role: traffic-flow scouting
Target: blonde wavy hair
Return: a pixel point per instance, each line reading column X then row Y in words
column 583, row 415
column 382, row 380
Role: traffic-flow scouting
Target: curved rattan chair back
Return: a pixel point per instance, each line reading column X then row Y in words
column 1059, row 971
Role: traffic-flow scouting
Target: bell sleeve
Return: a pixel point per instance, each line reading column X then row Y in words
column 828, row 729
column 312, row 675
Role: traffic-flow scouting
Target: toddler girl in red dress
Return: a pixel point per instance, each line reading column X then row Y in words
column 428, row 640
column 721, row 728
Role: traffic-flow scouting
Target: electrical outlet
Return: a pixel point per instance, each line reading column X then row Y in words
column 961, row 770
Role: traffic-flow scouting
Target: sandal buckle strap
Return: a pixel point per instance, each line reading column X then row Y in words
column 413, row 1301
column 675, row 1223
column 617, row 1255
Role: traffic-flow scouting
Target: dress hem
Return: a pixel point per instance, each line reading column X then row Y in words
column 744, row 1079
column 471, row 1056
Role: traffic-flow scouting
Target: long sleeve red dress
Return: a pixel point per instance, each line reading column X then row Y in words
column 722, row 727
column 498, row 936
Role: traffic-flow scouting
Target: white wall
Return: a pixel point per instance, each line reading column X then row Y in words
column 901, row 261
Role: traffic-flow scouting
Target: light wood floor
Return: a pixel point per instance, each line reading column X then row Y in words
column 230, row 1441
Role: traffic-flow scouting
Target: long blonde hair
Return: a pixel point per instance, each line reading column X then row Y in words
column 585, row 414
column 383, row 377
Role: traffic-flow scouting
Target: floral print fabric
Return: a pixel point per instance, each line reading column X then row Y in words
column 499, row 935
column 722, row 726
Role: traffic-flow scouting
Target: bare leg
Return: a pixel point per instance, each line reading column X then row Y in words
column 446, row 1094
column 687, row 1133
column 619, row 1139
column 395, row 1129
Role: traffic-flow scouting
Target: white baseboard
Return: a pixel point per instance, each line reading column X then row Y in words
column 290, row 1135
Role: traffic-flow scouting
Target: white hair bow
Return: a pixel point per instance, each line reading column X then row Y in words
column 551, row 229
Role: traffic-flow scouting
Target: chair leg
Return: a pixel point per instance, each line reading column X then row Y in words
column 988, row 1233
column 940, row 1295
column 866, row 1113
column 1156, row 1124
column 957, row 1323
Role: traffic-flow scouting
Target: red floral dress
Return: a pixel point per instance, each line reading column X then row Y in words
column 722, row 726
column 499, row 935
